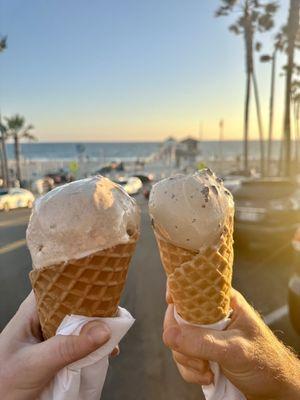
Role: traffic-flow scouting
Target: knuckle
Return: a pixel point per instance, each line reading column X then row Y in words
column 206, row 343
column 188, row 376
column 67, row 349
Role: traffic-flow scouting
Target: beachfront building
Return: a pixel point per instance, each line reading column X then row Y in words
column 187, row 152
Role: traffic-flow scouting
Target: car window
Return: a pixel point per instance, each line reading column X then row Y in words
column 3, row 192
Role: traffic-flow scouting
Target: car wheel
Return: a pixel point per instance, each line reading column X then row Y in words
column 29, row 204
column 6, row 207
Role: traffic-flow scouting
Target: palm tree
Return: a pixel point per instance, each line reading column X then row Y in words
column 296, row 109
column 253, row 17
column 3, row 43
column 265, row 58
column 4, row 168
column 292, row 33
column 17, row 130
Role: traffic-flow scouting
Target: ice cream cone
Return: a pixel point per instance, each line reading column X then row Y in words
column 199, row 281
column 90, row 286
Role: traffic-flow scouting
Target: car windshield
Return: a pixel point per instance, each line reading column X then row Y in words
column 3, row 192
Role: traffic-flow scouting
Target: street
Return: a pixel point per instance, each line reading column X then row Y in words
column 145, row 370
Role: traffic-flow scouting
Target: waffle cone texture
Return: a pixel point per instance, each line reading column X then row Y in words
column 90, row 286
column 200, row 281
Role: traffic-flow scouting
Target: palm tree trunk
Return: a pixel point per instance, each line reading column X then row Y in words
column 4, row 161
column 17, row 157
column 260, row 126
column 271, row 117
column 293, row 25
column 248, row 37
column 296, row 133
column 246, row 121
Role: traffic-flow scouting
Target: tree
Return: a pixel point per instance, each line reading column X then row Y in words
column 253, row 17
column 291, row 34
column 4, row 168
column 278, row 44
column 3, row 43
column 17, row 130
column 296, row 109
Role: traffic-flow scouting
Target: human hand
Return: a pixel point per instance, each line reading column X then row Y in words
column 249, row 354
column 27, row 364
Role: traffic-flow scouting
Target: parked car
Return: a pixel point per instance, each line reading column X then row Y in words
column 60, row 177
column 132, row 185
column 294, row 286
column 267, row 211
column 147, row 181
column 15, row 198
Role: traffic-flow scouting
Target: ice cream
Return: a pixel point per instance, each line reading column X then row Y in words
column 191, row 210
column 78, row 219
column 81, row 237
column 193, row 223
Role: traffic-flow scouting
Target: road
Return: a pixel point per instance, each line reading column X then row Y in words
column 145, row 370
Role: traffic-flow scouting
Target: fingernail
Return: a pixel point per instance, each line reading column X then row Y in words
column 172, row 336
column 99, row 333
column 115, row 352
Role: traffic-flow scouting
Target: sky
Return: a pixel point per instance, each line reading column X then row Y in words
column 128, row 70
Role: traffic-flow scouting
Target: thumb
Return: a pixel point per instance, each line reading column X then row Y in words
column 52, row 355
column 196, row 342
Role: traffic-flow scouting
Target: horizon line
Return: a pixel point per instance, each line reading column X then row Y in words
column 137, row 141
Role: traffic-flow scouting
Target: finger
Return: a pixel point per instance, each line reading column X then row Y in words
column 115, row 352
column 192, row 376
column 243, row 313
column 201, row 366
column 196, row 342
column 169, row 298
column 169, row 317
column 53, row 354
column 25, row 322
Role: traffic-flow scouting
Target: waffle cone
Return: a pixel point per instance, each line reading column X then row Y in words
column 200, row 281
column 90, row 286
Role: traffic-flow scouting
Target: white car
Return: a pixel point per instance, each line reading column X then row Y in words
column 15, row 198
column 132, row 185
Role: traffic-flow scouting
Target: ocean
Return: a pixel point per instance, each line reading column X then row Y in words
column 127, row 151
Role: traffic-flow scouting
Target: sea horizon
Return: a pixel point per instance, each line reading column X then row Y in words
column 129, row 150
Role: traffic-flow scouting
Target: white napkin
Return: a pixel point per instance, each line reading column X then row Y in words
column 222, row 388
column 84, row 379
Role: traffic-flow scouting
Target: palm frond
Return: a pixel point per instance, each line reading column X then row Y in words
column 3, row 44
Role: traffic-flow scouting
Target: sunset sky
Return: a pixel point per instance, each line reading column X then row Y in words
column 127, row 69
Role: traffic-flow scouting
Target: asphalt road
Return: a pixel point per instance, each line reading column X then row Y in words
column 145, row 370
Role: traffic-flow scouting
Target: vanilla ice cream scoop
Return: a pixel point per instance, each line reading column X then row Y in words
column 78, row 219
column 191, row 210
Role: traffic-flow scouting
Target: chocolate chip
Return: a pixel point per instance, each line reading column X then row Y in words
column 205, row 191
column 194, row 220
column 203, row 206
column 173, row 195
column 209, row 171
column 215, row 190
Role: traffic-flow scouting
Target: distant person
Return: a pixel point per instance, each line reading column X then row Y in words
column 250, row 355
